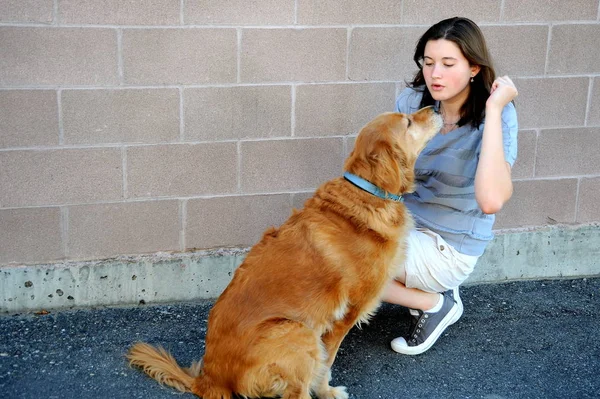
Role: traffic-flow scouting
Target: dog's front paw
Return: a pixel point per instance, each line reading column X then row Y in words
column 333, row 393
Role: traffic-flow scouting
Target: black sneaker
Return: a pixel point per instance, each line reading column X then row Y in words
column 427, row 327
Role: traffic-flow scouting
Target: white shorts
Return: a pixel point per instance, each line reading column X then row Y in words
column 432, row 264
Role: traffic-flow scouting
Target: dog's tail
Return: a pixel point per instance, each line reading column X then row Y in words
column 159, row 364
column 162, row 366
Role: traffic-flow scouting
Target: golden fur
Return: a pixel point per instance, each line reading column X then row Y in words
column 277, row 327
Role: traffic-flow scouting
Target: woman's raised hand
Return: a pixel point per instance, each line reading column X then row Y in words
column 502, row 92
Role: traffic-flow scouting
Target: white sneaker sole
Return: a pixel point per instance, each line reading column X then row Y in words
column 454, row 314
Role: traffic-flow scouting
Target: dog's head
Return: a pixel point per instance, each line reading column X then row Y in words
column 387, row 148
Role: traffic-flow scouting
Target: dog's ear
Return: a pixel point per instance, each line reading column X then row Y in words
column 378, row 158
column 389, row 167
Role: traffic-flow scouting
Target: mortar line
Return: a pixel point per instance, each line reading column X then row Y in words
column 64, row 230
column 296, row 12
column 502, row 4
column 293, row 110
column 273, row 27
column 61, row 130
column 548, row 43
column 577, row 200
column 210, row 142
column 589, row 101
column 229, row 141
column 182, row 12
column 124, row 171
column 402, row 11
column 181, row 115
column 183, row 224
column 55, row 13
column 559, row 177
column 239, row 166
column 348, row 39
column 120, row 64
column 535, row 149
column 300, row 190
column 238, row 76
column 256, row 84
column 212, row 85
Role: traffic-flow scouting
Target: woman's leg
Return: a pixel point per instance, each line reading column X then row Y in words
column 432, row 274
column 413, row 298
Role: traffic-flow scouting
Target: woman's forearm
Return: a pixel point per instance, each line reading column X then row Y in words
column 493, row 184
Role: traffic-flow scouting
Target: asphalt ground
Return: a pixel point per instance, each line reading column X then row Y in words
column 533, row 339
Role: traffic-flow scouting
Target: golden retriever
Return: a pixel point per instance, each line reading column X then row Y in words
column 277, row 327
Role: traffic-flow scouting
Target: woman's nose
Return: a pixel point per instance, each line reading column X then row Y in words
column 436, row 72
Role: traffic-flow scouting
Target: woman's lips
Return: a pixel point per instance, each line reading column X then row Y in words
column 436, row 87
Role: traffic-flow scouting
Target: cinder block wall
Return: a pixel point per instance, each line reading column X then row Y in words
column 131, row 127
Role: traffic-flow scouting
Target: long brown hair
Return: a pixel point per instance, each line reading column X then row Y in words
column 469, row 38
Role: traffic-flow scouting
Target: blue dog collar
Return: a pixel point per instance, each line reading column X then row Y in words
column 371, row 188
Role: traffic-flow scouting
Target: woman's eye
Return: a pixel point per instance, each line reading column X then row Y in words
column 428, row 64
column 448, row 65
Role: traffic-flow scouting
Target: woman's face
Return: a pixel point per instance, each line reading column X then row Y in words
column 446, row 71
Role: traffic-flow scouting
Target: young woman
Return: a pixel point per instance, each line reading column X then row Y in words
column 463, row 177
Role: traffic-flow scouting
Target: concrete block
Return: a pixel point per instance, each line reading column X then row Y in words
column 335, row 109
column 41, row 11
column 551, row 10
column 182, row 170
column 239, row 12
column 56, row 177
column 550, row 252
column 589, row 191
column 551, row 102
column 574, row 49
column 30, row 235
column 119, row 12
column 58, row 56
column 104, row 230
column 124, row 280
column 517, row 50
column 383, row 53
column 233, row 221
column 120, row 116
column 284, row 55
column 349, row 12
column 231, row 113
column 568, row 152
column 539, row 203
column 430, row 12
column 28, row 118
column 179, row 56
column 289, row 165
column 523, row 167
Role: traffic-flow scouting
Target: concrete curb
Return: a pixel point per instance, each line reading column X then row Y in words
column 552, row 252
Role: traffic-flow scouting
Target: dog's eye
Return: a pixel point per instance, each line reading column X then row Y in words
column 409, row 122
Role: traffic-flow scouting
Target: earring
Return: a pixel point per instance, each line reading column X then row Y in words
column 471, row 79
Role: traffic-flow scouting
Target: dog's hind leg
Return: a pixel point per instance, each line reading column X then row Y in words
column 296, row 385
column 288, row 359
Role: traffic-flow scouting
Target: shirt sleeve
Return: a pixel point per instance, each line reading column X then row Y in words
column 404, row 102
column 510, row 129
